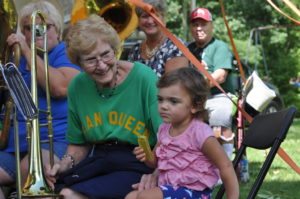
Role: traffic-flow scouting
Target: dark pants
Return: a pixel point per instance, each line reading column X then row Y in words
column 109, row 173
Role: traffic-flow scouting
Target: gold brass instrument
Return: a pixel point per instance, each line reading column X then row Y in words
column 118, row 13
column 8, row 25
column 36, row 184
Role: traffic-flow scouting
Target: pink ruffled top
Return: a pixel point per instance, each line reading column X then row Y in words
column 180, row 160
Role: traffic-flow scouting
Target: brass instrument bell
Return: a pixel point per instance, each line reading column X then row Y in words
column 8, row 25
column 118, row 13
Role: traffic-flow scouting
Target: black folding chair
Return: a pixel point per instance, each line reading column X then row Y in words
column 265, row 131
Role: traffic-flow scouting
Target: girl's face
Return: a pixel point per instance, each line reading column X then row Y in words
column 101, row 64
column 175, row 105
column 148, row 25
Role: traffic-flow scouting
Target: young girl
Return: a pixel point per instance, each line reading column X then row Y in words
column 187, row 155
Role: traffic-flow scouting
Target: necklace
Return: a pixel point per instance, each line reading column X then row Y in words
column 149, row 53
column 106, row 96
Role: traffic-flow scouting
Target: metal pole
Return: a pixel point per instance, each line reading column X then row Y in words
column 193, row 5
column 17, row 152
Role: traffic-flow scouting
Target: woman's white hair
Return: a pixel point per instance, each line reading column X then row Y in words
column 48, row 9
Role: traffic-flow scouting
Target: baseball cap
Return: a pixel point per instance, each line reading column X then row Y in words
column 201, row 13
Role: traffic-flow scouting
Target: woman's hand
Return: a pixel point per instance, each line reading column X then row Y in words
column 18, row 39
column 51, row 174
column 76, row 153
column 148, row 181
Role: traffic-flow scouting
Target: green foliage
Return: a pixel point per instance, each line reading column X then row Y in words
column 249, row 54
column 276, row 50
column 174, row 18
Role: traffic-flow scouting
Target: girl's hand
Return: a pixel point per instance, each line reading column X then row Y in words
column 139, row 154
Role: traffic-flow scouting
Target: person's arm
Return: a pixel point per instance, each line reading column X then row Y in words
column 221, row 62
column 59, row 78
column 74, row 154
column 175, row 63
column 147, row 181
column 77, row 152
column 141, row 156
column 219, row 75
column 213, row 150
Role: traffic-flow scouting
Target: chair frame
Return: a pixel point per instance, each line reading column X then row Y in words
column 266, row 131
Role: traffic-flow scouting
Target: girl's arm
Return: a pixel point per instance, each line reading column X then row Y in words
column 214, row 151
column 141, row 155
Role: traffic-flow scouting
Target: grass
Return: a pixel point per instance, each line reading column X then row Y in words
column 281, row 182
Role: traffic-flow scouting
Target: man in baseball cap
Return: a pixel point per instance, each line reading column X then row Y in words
column 217, row 59
column 201, row 13
column 201, row 26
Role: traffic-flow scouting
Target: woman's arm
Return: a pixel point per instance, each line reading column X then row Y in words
column 59, row 78
column 214, row 151
column 147, row 181
column 175, row 63
column 77, row 152
column 74, row 154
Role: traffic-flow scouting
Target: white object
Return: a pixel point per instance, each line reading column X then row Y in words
column 258, row 94
column 228, row 148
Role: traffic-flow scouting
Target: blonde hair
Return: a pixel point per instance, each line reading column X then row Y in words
column 158, row 5
column 83, row 36
column 48, row 9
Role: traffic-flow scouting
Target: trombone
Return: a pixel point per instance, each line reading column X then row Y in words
column 35, row 185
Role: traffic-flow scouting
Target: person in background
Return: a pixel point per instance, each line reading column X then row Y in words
column 61, row 71
column 217, row 58
column 187, row 155
column 157, row 51
column 110, row 104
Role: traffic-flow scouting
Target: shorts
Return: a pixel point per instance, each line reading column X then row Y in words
column 220, row 109
column 108, row 173
column 171, row 192
column 8, row 160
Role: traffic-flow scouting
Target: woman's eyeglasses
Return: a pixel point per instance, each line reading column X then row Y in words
column 28, row 27
column 94, row 61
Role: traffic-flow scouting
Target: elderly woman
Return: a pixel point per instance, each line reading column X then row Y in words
column 61, row 71
column 156, row 51
column 110, row 104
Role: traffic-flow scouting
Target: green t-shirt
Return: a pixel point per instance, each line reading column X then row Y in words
column 216, row 55
column 130, row 111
